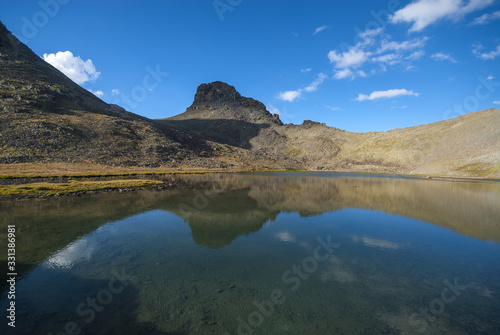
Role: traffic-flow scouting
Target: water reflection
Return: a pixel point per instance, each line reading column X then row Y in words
column 220, row 207
column 201, row 256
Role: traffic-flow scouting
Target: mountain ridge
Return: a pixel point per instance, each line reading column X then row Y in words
column 46, row 117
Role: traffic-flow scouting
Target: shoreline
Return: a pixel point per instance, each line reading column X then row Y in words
column 22, row 187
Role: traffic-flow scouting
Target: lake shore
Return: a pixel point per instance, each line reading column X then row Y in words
column 42, row 180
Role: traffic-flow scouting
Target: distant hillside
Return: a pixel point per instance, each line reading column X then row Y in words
column 46, row 117
column 468, row 145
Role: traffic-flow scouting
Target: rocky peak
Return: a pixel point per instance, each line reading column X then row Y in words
column 216, row 91
column 221, row 101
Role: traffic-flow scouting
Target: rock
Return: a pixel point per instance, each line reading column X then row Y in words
column 309, row 124
column 216, row 91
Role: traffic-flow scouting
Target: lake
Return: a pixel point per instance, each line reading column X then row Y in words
column 263, row 253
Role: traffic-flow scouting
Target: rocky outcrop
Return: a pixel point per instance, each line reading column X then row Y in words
column 218, row 100
column 216, row 92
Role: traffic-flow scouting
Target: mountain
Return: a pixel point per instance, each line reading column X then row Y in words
column 45, row 117
column 468, row 145
column 221, row 114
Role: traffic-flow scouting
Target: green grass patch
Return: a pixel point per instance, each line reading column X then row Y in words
column 72, row 186
column 478, row 169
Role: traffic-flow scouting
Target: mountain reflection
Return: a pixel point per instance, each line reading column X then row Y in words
column 244, row 202
column 220, row 207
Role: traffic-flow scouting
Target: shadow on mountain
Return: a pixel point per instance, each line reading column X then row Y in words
column 237, row 133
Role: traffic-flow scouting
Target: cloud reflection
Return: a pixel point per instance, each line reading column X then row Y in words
column 376, row 243
column 72, row 254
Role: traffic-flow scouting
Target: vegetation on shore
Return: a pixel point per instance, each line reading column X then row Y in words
column 43, row 189
column 33, row 180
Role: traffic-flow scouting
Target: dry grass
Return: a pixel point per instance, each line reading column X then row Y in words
column 34, row 170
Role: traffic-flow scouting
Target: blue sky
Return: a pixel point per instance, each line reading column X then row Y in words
column 355, row 65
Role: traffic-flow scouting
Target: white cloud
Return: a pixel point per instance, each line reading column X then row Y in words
column 416, row 55
column 486, row 18
column 390, row 59
column 319, row 29
column 306, row 70
column 273, row 110
column 442, row 56
column 485, row 55
column 496, row 102
column 361, row 74
column 490, row 77
column 99, row 94
column 368, row 34
column 402, row 46
column 385, row 94
column 354, row 57
column 422, row 13
column 73, row 66
column 115, row 92
column 314, row 85
column 333, row 108
column 292, row 95
column 345, row 73
column 374, row 47
column 289, row 95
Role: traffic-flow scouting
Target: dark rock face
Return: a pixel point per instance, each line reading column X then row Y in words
column 309, row 124
column 216, row 91
column 218, row 100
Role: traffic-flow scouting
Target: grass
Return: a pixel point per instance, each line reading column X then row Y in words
column 80, row 173
column 72, row 186
column 478, row 169
column 86, row 170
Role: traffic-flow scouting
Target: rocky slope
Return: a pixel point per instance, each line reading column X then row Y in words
column 46, row 117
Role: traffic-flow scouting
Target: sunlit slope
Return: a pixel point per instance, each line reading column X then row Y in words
column 468, row 145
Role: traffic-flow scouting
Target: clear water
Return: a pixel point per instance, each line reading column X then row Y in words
column 276, row 253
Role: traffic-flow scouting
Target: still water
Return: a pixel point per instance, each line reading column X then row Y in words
column 275, row 253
